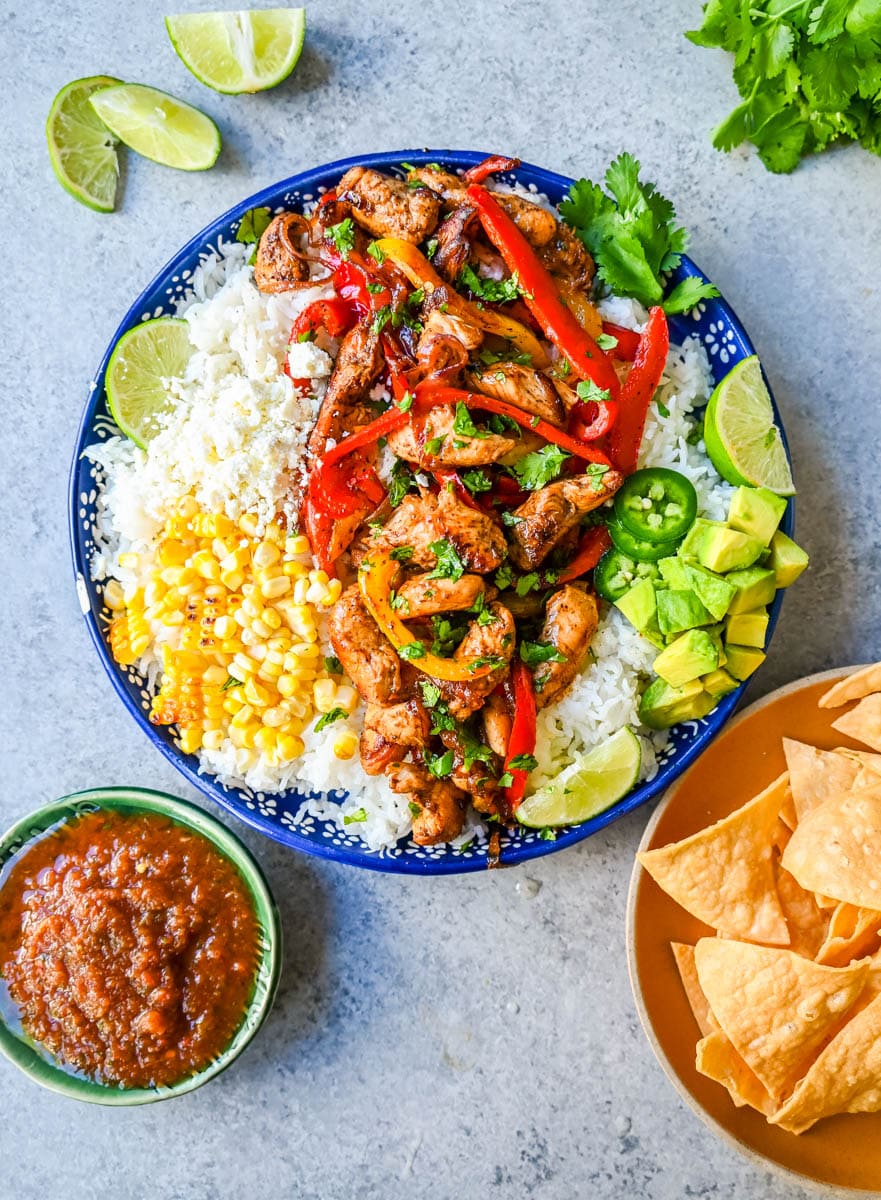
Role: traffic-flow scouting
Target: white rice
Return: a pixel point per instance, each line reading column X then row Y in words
column 233, row 409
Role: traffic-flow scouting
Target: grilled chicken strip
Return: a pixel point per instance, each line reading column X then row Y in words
column 357, row 367
column 420, row 520
column 448, row 324
column 456, row 450
column 537, row 225
column 422, row 596
column 390, row 732
column 280, row 265
column 565, row 255
column 443, row 183
column 520, row 385
column 387, row 207
column 478, row 779
column 441, row 805
column 548, row 515
column 571, row 619
column 497, row 722
column 495, row 640
column 455, row 236
column 368, row 658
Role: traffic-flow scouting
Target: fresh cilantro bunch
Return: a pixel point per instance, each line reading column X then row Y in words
column 809, row 74
column 633, row 237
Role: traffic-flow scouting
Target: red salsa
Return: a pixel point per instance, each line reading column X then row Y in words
column 129, row 945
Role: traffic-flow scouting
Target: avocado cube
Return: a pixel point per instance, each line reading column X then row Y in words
column 719, row 683
column 639, row 606
column 743, row 660
column 756, row 511
column 728, row 550
column 714, row 591
column 748, row 628
column 787, row 559
column 754, row 588
column 662, row 705
column 695, row 537
column 693, row 654
column 674, row 573
column 680, row 610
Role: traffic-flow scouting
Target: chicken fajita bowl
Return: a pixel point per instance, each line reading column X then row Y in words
column 394, row 517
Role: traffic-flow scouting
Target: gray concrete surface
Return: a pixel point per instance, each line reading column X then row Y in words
column 433, row 1039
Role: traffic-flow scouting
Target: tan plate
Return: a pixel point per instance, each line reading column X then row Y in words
column 843, row 1151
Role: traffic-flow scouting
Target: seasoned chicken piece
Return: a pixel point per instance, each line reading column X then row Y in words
column 497, row 722
column 448, row 324
column 368, row 658
column 548, row 515
column 444, row 183
column 443, row 348
column 520, row 385
column 357, row 367
column 456, row 450
column 567, row 256
column 423, row 596
column 281, row 265
column 496, row 641
column 390, row 732
column 571, row 619
column 455, row 236
column 536, row 224
column 386, row 207
column 478, row 779
column 414, row 523
column 420, row 520
column 441, row 805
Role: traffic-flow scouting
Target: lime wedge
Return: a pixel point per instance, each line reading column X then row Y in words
column 742, row 440
column 237, row 52
column 141, row 360
column 82, row 149
column 589, row 785
column 158, row 126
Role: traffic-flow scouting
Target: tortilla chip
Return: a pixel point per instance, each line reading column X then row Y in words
column 825, row 902
column 863, row 723
column 697, row 1001
column 864, row 757
column 836, row 849
column 808, row 924
column 854, row 687
column 788, row 815
column 717, row 1059
column 867, row 777
column 723, row 874
column 775, row 1007
column 853, row 933
column 845, row 1077
column 815, row 775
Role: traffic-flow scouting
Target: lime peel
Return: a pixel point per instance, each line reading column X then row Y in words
column 82, row 149
column 143, row 358
column 743, row 442
column 589, row 785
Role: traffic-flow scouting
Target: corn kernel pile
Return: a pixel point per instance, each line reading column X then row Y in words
column 235, row 619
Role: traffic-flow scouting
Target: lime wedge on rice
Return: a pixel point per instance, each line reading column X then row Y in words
column 742, row 440
column 240, row 51
column 141, row 360
column 588, row 786
column 158, row 126
column 82, row 149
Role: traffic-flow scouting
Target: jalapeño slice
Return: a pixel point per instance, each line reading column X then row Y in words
column 616, row 573
column 640, row 549
column 656, row 504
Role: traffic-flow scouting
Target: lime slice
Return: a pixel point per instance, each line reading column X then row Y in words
column 589, row 785
column 237, row 52
column 81, row 147
column 742, row 440
column 158, row 126
column 141, row 360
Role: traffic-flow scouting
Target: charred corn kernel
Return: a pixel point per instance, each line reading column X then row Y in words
column 214, row 675
column 295, row 570
column 256, row 695
column 271, row 618
column 248, row 524
column 265, row 554
column 225, row 627
column 290, row 747
column 242, row 666
column 213, row 739
column 274, row 717
column 288, row 685
column 265, row 739
column 345, row 744
column 190, row 739
column 113, row 594
column 297, row 543
column 273, row 588
column 324, row 695
column 346, row 698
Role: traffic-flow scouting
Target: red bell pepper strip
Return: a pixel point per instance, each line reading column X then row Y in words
column 590, row 550
column 639, row 387
column 337, row 316
column 522, row 739
column 592, row 419
column 628, row 341
column 490, row 166
column 542, row 296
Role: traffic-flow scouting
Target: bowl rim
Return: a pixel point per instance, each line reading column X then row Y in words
column 637, row 875
column 40, row 1066
column 362, row 856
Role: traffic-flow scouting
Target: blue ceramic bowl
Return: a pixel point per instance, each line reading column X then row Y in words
column 713, row 322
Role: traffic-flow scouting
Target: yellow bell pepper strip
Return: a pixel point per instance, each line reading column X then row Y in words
column 376, row 577
column 542, row 294
column 422, row 274
column 585, row 313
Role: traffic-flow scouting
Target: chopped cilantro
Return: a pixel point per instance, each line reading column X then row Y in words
column 343, row 236
column 406, row 402
column 332, row 665
column 441, row 720
column 501, row 424
column 587, row 390
column 476, row 481
column 522, row 762
column 506, row 779
column 449, row 564
column 375, row 288
column 400, row 482
column 474, row 750
column 527, row 583
column 328, row 718
column 376, row 253
column 431, row 248
column 509, row 518
column 464, row 425
column 534, row 653
column 547, row 834
column 411, row 650
column 431, row 693
column 399, row 603
column 415, row 809
column 434, row 445
column 447, row 634
column 504, row 577
column 662, row 408
column 607, row 341
column 493, row 291
column 253, row 225
column 595, row 473
column 308, row 335
column 539, row 467
column 402, row 553
column 381, row 318
column 231, row 682
column 355, row 817
column 439, row 765
column 486, row 660
column 490, row 357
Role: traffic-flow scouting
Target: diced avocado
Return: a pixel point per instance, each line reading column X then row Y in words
column 662, row 705
column 679, row 610
column 787, row 559
column 638, row 605
column 719, row 683
column 756, row 511
column 755, row 587
column 693, row 654
column 674, row 572
column 688, row 547
column 743, row 660
column 713, row 591
column 728, row 550
column 747, row 629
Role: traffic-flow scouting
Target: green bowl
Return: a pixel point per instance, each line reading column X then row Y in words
column 36, row 1062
